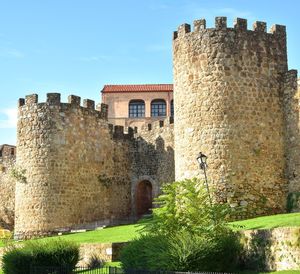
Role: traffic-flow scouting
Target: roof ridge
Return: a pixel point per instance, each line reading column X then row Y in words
column 164, row 84
column 137, row 88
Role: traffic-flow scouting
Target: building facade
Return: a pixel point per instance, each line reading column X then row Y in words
column 137, row 105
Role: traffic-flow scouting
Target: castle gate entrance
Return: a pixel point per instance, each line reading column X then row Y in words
column 143, row 198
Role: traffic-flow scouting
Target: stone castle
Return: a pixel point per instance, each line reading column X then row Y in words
column 235, row 100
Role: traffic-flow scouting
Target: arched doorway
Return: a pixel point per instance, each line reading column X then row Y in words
column 143, row 198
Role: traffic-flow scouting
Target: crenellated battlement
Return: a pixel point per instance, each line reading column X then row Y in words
column 156, row 126
column 118, row 132
column 88, row 107
column 69, row 148
column 240, row 25
column 121, row 133
column 54, row 99
column 232, row 91
column 233, row 78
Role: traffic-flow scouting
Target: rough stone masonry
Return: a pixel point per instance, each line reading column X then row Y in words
column 235, row 101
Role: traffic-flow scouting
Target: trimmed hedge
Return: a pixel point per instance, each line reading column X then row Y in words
column 19, row 260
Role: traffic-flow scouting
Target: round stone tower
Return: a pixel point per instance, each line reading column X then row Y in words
column 75, row 166
column 228, row 105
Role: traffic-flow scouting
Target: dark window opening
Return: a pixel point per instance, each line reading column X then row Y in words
column 172, row 108
column 136, row 109
column 158, row 108
column 12, row 151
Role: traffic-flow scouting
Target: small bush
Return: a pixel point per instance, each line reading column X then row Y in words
column 95, row 261
column 148, row 252
column 183, row 251
column 6, row 237
column 19, row 260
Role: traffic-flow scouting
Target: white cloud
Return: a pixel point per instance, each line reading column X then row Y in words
column 11, row 53
column 10, row 117
column 15, row 53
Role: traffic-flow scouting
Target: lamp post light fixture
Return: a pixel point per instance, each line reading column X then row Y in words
column 203, row 165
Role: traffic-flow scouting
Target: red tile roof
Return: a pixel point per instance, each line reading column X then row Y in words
column 137, row 88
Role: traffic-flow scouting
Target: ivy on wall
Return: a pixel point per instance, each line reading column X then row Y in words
column 104, row 180
column 19, row 174
column 293, row 201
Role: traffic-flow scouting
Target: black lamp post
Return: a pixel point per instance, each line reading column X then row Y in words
column 202, row 164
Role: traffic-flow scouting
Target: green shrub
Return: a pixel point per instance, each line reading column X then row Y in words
column 186, row 233
column 95, row 261
column 148, row 252
column 185, row 206
column 182, row 252
column 19, row 260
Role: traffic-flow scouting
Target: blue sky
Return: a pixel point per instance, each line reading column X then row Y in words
column 75, row 47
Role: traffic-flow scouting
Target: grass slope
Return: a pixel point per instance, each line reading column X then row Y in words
column 268, row 222
column 277, row 272
column 123, row 233
column 126, row 233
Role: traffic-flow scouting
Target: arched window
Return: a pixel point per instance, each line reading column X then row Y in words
column 172, row 108
column 136, row 109
column 158, row 108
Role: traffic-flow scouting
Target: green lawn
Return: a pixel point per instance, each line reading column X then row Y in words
column 123, row 233
column 267, row 222
column 126, row 233
column 276, row 272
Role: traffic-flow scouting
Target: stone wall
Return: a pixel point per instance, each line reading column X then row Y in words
column 234, row 101
column 7, row 155
column 77, row 166
column 290, row 102
column 7, row 200
column 80, row 170
column 7, row 186
column 153, row 156
column 275, row 249
column 228, row 105
column 107, row 252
